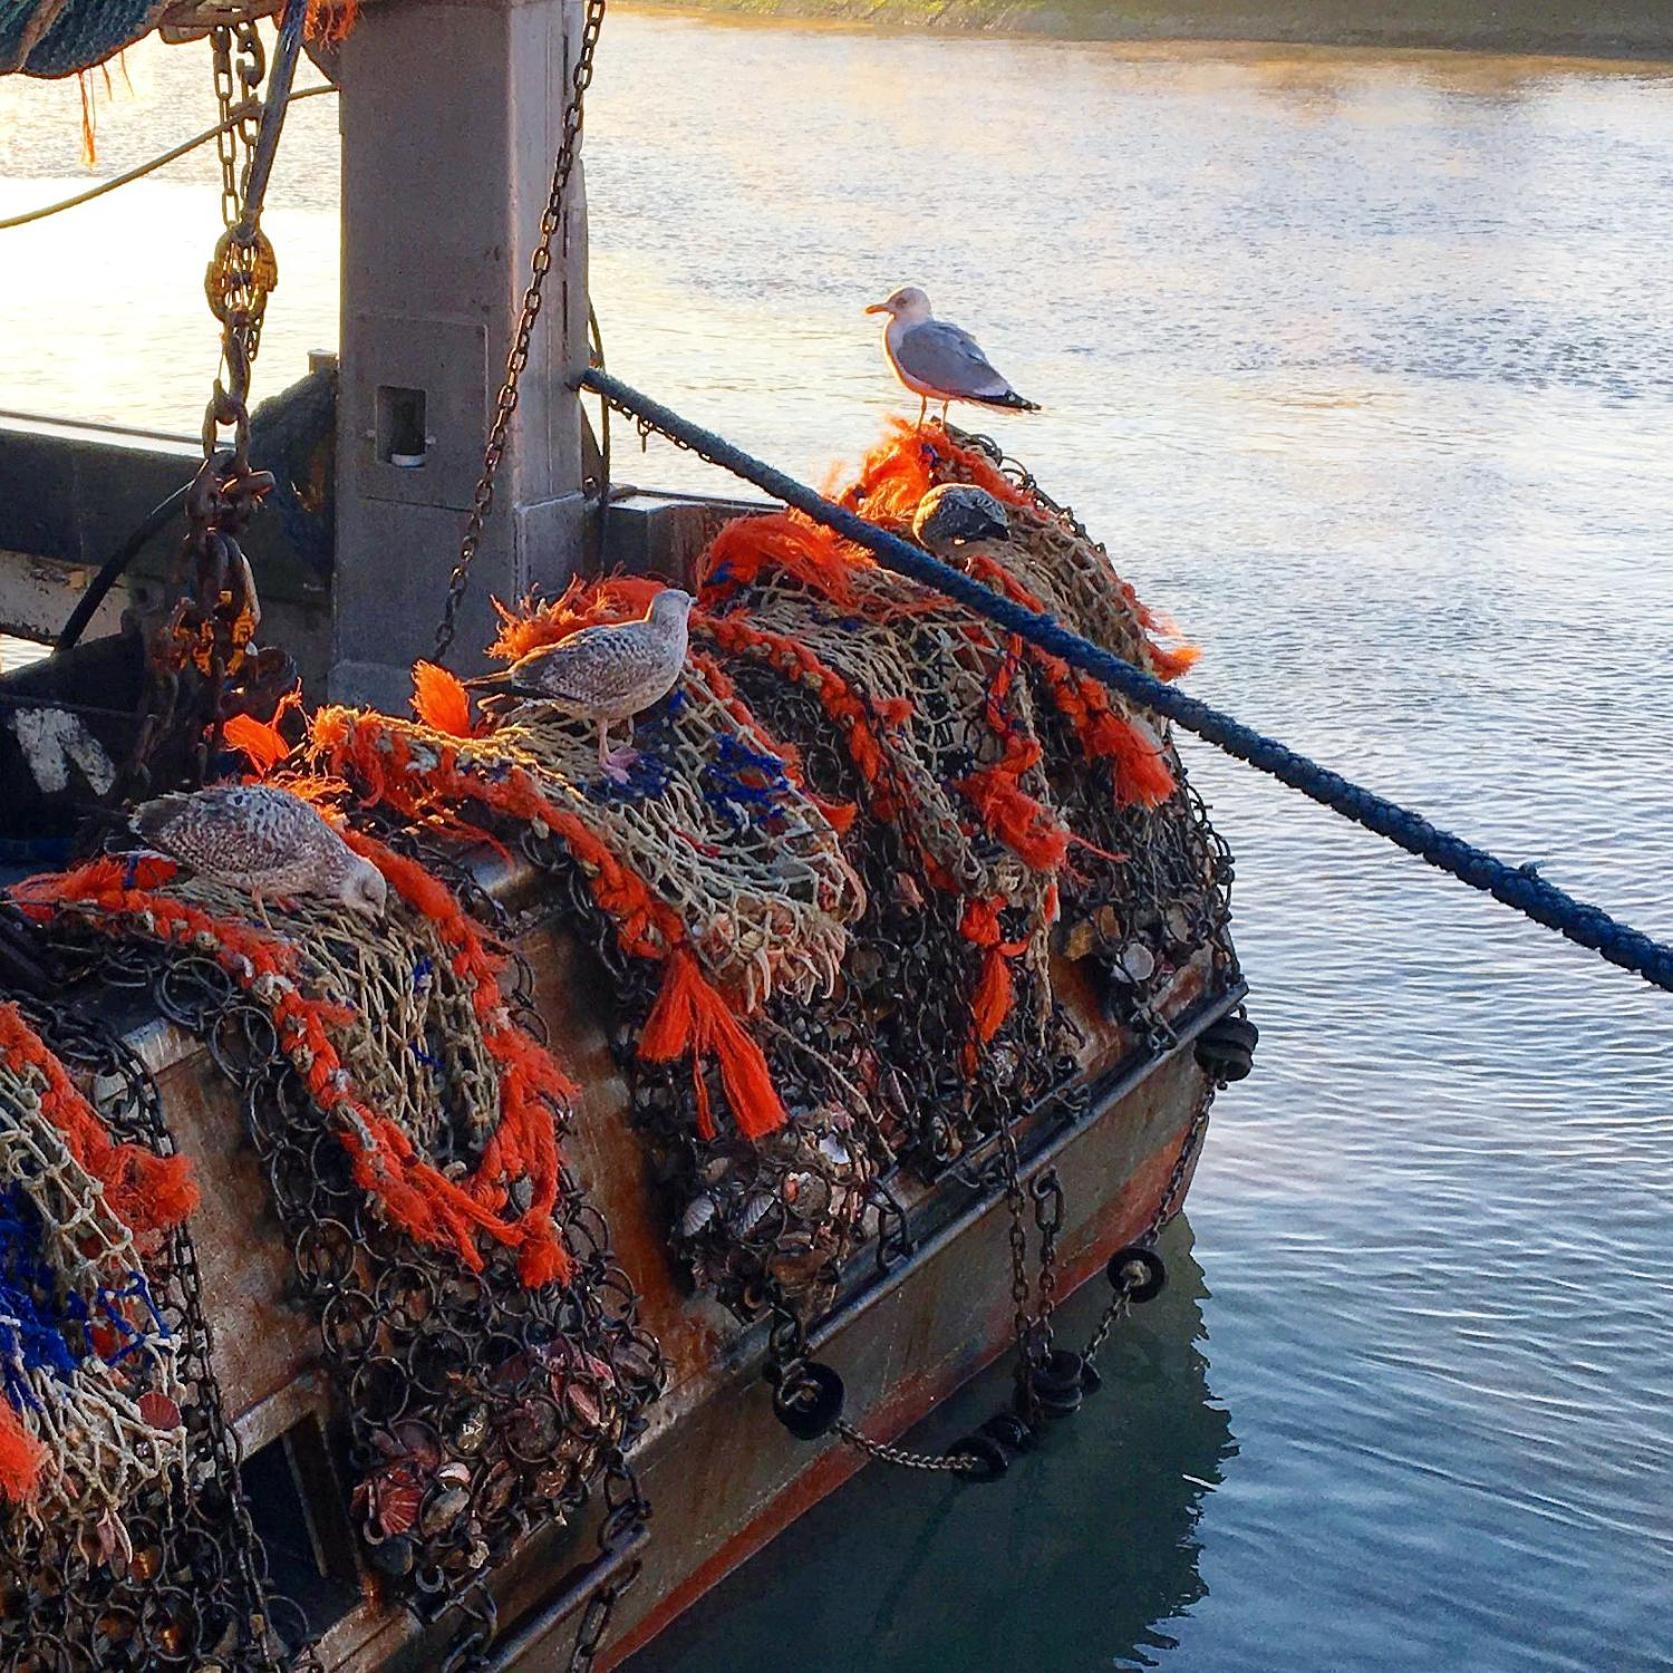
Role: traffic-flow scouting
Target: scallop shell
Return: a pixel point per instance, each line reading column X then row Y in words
column 698, row 1213
column 395, row 1500
column 158, row 1410
column 753, row 1212
column 835, row 1151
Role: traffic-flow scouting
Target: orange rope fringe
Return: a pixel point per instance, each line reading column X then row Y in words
column 425, row 1203
column 148, row 1193
column 373, row 752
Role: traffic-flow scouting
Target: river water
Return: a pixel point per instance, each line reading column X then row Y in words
column 1363, row 365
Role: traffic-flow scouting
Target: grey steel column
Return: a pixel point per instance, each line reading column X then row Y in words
column 451, row 112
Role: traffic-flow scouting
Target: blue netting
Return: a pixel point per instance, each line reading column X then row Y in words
column 35, row 1323
column 43, row 1324
column 59, row 37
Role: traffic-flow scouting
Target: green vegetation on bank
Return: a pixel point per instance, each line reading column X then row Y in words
column 1625, row 28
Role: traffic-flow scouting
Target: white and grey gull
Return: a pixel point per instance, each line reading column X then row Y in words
column 939, row 361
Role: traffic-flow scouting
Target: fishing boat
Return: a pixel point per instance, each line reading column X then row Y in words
column 876, row 1005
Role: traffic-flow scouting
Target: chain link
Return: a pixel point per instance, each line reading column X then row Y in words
column 207, row 638
column 942, row 1462
column 626, row 1514
column 1120, row 1304
column 505, row 403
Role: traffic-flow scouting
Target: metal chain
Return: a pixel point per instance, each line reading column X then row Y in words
column 1120, row 1303
column 945, row 1463
column 626, row 1513
column 505, row 403
column 1047, row 1191
column 1029, row 1348
column 206, row 637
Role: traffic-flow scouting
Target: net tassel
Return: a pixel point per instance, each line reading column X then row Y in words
column 439, row 699
column 21, row 1458
column 690, row 1015
column 1015, row 817
column 990, row 1004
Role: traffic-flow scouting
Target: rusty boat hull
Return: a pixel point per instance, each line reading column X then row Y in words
column 722, row 1476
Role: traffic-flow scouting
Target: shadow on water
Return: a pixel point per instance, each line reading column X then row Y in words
column 919, row 1572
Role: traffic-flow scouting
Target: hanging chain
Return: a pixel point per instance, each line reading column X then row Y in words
column 626, row 1514
column 243, row 270
column 1047, row 1190
column 947, row 1463
column 1030, row 1348
column 209, row 634
column 1120, row 1304
column 505, row 404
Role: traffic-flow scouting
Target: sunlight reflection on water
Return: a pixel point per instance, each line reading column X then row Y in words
column 1361, row 363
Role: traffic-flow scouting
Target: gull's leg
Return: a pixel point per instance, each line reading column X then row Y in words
column 261, row 910
column 615, row 762
column 923, row 411
column 944, row 406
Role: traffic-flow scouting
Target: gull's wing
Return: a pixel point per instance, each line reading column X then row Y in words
column 592, row 670
column 241, row 830
column 950, row 361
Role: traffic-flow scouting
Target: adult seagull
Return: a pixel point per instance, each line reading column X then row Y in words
column 938, row 361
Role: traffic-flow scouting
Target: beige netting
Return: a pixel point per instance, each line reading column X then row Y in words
column 89, row 1367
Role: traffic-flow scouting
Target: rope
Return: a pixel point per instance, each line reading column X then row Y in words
column 105, row 187
column 1519, row 887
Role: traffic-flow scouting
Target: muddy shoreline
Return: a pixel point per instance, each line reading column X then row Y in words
column 1569, row 28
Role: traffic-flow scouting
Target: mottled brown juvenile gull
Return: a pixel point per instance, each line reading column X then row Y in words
column 956, row 513
column 605, row 673
column 938, row 361
column 264, row 841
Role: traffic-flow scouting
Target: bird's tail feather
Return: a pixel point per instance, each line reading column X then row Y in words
column 151, row 819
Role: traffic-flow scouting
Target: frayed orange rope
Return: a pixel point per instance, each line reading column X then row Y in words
column 808, row 552
column 148, row 1193
column 440, row 700
column 991, row 1003
column 430, row 1207
column 583, row 603
column 1140, row 767
column 330, row 22
column 263, row 743
column 900, row 470
column 690, row 1016
column 1021, row 822
column 372, row 750
column 22, row 1458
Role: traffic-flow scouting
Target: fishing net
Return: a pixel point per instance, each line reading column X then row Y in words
column 127, row 1542
column 1146, row 892
column 715, row 890
column 962, row 846
column 825, row 900
column 482, row 1338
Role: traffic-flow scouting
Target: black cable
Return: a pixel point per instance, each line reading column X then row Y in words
column 111, row 571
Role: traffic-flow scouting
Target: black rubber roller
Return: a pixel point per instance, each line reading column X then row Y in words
column 809, row 1403
column 988, row 1454
column 1138, row 1272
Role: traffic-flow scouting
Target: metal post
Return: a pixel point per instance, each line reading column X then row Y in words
column 450, row 115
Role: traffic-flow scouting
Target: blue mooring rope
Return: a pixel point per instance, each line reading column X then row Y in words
column 1517, row 886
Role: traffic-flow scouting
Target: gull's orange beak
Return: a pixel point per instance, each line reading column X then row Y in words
column 878, row 308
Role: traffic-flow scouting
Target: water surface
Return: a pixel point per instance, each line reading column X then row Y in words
column 1363, row 365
